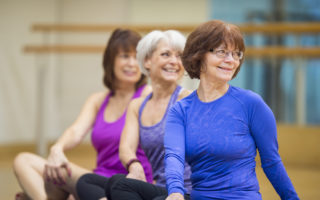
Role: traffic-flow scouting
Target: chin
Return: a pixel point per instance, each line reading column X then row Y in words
column 131, row 81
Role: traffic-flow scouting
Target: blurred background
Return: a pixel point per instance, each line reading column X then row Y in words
column 46, row 73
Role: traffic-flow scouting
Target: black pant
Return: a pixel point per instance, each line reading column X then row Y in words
column 92, row 186
column 126, row 188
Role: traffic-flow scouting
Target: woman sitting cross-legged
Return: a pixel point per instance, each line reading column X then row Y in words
column 104, row 113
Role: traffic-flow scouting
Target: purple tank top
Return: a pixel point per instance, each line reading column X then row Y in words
column 105, row 138
column 151, row 140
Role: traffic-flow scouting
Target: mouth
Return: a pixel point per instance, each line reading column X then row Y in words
column 225, row 69
column 130, row 72
column 171, row 70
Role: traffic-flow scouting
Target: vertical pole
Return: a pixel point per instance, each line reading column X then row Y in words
column 41, row 68
column 300, row 88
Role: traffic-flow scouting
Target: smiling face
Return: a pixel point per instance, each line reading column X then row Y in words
column 165, row 63
column 126, row 68
column 219, row 68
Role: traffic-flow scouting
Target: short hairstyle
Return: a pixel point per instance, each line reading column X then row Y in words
column 120, row 40
column 148, row 44
column 209, row 35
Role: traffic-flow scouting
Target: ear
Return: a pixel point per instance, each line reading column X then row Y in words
column 147, row 64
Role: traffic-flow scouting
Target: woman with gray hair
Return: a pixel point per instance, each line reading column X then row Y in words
column 158, row 55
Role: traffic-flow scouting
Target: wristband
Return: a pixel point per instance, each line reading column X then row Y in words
column 130, row 162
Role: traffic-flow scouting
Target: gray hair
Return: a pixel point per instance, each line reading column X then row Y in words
column 148, row 44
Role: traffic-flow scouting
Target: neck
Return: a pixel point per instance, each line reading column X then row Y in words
column 124, row 89
column 210, row 91
column 163, row 90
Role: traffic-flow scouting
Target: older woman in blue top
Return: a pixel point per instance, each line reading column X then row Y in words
column 219, row 127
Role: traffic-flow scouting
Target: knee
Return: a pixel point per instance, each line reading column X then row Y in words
column 82, row 181
column 116, row 180
column 20, row 161
column 54, row 191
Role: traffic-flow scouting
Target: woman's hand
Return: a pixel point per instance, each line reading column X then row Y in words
column 175, row 196
column 136, row 171
column 57, row 168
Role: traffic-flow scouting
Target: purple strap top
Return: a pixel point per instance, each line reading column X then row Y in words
column 151, row 140
column 105, row 138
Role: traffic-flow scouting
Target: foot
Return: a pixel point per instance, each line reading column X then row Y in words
column 22, row 196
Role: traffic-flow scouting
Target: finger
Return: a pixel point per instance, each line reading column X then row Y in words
column 45, row 173
column 49, row 173
column 68, row 168
column 53, row 175
column 60, row 175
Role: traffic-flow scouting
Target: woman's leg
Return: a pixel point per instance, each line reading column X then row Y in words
column 53, row 191
column 91, row 186
column 126, row 188
column 29, row 170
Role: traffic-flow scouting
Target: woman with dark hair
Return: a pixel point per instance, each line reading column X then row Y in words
column 158, row 54
column 104, row 113
column 218, row 128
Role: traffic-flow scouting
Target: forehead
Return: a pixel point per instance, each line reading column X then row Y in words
column 164, row 45
column 228, row 46
column 126, row 50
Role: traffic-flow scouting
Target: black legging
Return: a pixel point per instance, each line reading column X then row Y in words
column 92, row 186
column 127, row 188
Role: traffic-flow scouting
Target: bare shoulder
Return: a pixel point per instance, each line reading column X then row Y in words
column 184, row 93
column 146, row 90
column 135, row 104
column 97, row 98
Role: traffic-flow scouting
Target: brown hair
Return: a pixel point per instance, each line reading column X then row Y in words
column 120, row 40
column 209, row 35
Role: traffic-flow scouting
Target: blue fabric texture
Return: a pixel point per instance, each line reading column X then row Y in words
column 219, row 140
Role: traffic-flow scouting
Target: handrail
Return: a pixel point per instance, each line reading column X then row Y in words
column 107, row 28
column 277, row 51
column 249, row 28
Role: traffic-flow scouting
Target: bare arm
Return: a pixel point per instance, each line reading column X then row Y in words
column 146, row 90
column 130, row 140
column 183, row 94
column 78, row 130
column 71, row 137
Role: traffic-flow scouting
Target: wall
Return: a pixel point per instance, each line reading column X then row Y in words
column 65, row 80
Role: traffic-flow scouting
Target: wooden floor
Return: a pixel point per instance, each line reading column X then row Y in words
column 305, row 179
column 299, row 150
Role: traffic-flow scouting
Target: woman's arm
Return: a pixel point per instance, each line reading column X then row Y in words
column 71, row 137
column 264, row 130
column 184, row 93
column 146, row 90
column 129, row 142
column 174, row 143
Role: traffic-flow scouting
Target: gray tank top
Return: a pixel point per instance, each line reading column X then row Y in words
column 151, row 141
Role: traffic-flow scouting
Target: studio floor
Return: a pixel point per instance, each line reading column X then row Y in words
column 305, row 179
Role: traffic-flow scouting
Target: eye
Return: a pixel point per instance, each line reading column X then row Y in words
column 124, row 55
column 239, row 54
column 166, row 54
column 221, row 51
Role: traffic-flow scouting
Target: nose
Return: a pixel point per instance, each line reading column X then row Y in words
column 133, row 61
column 174, row 59
column 229, row 57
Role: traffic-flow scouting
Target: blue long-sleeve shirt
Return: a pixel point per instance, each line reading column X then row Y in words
column 219, row 140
